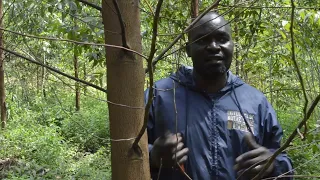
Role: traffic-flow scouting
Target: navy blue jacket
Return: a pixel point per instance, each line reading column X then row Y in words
column 212, row 125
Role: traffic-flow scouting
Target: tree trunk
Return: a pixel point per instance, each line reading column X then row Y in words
column 237, row 42
column 194, row 8
column 125, row 79
column 38, row 79
column 2, row 86
column 76, row 75
column 84, row 77
column 43, row 78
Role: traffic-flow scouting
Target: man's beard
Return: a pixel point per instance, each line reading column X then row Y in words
column 212, row 73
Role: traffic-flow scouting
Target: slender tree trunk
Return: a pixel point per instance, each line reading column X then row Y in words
column 270, row 72
column 2, row 85
column 236, row 53
column 84, row 77
column 38, row 79
column 76, row 75
column 125, row 79
column 194, row 8
column 43, row 78
column 76, row 69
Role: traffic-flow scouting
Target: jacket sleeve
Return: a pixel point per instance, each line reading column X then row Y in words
column 272, row 140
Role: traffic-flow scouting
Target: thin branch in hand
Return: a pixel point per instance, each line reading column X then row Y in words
column 91, row 5
column 123, row 29
column 176, row 118
column 135, row 145
column 251, row 167
column 54, row 70
column 181, row 166
column 291, row 137
column 75, row 42
column 160, row 168
column 184, row 173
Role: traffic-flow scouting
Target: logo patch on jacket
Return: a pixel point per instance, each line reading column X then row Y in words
column 236, row 121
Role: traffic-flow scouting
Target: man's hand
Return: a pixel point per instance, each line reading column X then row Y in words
column 168, row 148
column 257, row 155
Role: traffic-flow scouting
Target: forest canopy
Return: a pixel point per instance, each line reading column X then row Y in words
column 53, row 60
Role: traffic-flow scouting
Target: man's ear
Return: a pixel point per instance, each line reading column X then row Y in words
column 188, row 49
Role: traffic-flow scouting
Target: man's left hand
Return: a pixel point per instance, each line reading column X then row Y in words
column 254, row 156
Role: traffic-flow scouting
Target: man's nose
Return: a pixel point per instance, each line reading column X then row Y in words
column 213, row 46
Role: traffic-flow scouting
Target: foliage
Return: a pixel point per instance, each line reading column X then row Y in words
column 49, row 143
column 88, row 129
column 46, row 134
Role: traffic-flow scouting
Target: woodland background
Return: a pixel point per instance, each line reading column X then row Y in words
column 58, row 128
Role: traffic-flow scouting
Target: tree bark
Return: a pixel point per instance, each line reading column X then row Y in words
column 125, row 79
column 2, row 85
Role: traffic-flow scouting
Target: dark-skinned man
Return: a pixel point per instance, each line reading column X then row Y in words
column 224, row 125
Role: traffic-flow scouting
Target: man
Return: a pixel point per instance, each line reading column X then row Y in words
column 203, row 117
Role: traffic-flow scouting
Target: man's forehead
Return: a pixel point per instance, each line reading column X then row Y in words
column 211, row 19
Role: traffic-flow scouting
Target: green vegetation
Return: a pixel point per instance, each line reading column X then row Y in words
column 46, row 138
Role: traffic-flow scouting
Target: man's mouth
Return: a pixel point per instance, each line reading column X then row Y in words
column 214, row 58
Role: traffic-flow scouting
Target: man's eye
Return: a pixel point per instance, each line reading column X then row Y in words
column 223, row 40
column 201, row 40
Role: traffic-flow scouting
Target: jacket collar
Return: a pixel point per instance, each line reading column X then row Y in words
column 184, row 77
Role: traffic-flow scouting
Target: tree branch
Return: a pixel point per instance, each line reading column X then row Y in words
column 272, row 7
column 91, row 5
column 277, row 90
column 294, row 169
column 181, row 166
column 54, row 70
column 75, row 42
column 296, row 176
column 155, row 61
column 135, row 145
column 194, row 8
column 293, row 57
column 149, row 6
column 123, row 29
column 182, row 47
column 102, row 100
column 291, row 137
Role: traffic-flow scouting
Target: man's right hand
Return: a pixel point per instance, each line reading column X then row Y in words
column 169, row 149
